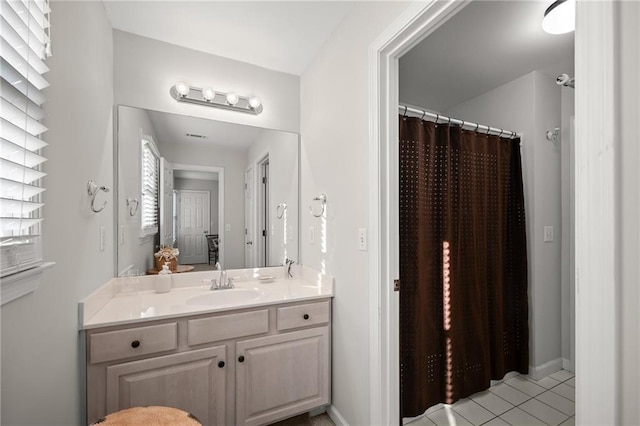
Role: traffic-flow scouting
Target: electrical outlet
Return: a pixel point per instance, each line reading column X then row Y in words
column 227, row 227
column 362, row 239
column 548, row 234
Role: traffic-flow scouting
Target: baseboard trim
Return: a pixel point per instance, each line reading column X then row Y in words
column 336, row 416
column 542, row 371
column 567, row 365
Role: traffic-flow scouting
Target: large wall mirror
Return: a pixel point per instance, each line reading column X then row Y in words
column 216, row 191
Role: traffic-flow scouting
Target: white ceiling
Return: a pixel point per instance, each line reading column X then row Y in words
column 281, row 36
column 486, row 45
column 173, row 129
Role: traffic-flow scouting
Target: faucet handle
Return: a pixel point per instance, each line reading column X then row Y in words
column 214, row 284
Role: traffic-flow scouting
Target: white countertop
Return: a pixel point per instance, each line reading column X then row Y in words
column 132, row 300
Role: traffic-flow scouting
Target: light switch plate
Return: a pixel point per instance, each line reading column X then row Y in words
column 548, row 234
column 362, row 239
column 102, row 237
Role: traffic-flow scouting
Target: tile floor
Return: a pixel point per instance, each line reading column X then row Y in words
column 517, row 401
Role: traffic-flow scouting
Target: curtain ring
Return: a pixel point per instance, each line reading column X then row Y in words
column 477, row 127
column 437, row 118
column 423, row 114
column 513, row 135
column 501, row 132
column 405, row 112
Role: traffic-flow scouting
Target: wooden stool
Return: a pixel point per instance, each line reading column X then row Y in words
column 156, row 416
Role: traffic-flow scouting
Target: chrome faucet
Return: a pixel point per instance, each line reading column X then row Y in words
column 287, row 267
column 223, row 282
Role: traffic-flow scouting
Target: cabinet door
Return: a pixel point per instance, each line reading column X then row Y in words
column 191, row 381
column 282, row 375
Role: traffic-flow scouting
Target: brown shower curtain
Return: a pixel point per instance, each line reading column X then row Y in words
column 463, row 263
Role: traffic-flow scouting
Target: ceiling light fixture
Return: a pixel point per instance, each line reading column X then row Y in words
column 560, row 17
column 182, row 92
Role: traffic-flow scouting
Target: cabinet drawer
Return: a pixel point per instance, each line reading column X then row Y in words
column 303, row 315
column 113, row 345
column 223, row 327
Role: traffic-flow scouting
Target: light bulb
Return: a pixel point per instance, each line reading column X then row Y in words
column 232, row 98
column 208, row 93
column 560, row 17
column 182, row 88
column 254, row 102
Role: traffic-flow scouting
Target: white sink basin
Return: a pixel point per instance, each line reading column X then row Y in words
column 225, row 297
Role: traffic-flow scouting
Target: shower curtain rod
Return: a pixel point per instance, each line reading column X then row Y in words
column 404, row 109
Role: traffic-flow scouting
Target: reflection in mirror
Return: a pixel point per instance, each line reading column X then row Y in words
column 208, row 190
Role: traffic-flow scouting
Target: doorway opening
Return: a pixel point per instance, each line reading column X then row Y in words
column 198, row 211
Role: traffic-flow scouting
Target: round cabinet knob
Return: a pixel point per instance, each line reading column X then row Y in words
column 221, row 364
column 135, row 343
column 305, row 316
column 241, row 358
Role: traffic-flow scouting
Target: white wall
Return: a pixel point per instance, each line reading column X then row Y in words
column 531, row 105
column 334, row 159
column 629, row 227
column 145, row 69
column 40, row 350
column 132, row 251
column 282, row 149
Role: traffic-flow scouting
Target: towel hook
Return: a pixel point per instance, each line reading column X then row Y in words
column 133, row 205
column 92, row 190
column 280, row 209
column 322, row 198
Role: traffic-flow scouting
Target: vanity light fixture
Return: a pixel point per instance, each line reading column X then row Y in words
column 182, row 92
column 560, row 17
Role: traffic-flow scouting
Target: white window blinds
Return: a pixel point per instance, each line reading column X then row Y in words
column 150, row 185
column 24, row 45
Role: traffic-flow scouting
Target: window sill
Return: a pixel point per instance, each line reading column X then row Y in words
column 17, row 285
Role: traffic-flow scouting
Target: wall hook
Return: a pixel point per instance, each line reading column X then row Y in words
column 92, row 190
column 322, row 199
column 133, row 205
column 280, row 209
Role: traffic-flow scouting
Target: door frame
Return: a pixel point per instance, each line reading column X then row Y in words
column 262, row 209
column 220, row 171
column 597, row 320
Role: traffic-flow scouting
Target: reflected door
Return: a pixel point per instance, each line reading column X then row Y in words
column 193, row 225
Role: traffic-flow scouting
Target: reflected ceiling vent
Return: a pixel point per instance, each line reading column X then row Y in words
column 193, row 135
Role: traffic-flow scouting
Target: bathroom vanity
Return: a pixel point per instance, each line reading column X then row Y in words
column 251, row 355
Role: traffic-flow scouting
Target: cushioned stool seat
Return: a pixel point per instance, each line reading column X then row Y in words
column 157, row 416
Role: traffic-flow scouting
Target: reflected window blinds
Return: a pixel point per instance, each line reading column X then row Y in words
column 150, row 185
column 24, row 46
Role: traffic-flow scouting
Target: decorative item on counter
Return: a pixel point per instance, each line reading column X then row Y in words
column 169, row 255
column 163, row 280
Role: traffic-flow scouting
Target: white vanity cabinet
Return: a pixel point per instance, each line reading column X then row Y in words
column 242, row 367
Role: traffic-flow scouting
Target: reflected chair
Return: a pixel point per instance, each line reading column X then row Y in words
column 212, row 242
